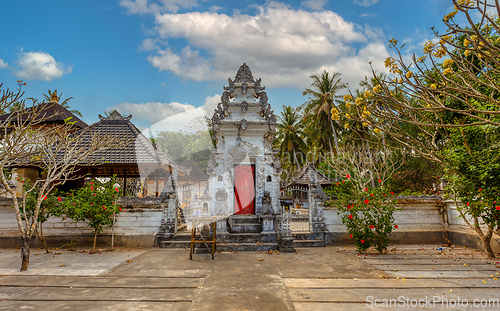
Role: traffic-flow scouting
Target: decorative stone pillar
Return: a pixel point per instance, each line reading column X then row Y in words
column 168, row 225
column 317, row 198
column 286, row 245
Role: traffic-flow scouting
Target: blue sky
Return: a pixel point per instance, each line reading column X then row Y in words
column 169, row 59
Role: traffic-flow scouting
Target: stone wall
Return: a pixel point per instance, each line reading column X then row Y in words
column 135, row 226
column 420, row 220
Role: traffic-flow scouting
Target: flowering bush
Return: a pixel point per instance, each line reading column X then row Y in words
column 94, row 203
column 367, row 214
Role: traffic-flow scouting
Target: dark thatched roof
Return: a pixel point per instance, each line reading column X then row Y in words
column 308, row 175
column 139, row 150
column 195, row 174
column 50, row 113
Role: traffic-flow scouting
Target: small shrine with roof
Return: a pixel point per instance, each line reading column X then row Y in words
column 243, row 169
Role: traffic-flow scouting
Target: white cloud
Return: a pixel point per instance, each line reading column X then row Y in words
column 281, row 45
column 39, row 66
column 169, row 116
column 366, row 3
column 148, row 6
column 316, row 5
column 3, row 64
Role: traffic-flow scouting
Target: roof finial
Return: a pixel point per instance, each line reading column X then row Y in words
column 54, row 98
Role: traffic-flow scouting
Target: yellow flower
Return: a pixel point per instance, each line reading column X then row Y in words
column 393, row 41
column 429, row 47
column 335, row 114
column 348, row 105
column 421, row 59
column 347, row 98
column 466, row 42
column 365, row 124
column 368, row 94
column 439, row 53
column 473, row 38
column 433, row 86
column 447, row 62
column 359, row 100
column 346, row 126
column 376, row 131
column 467, row 53
column 389, row 62
column 377, row 88
column 409, row 74
column 447, row 71
column 348, row 115
column 450, row 15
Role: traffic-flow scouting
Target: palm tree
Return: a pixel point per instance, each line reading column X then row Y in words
column 317, row 109
column 290, row 138
column 64, row 103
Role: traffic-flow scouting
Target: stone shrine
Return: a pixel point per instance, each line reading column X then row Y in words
column 243, row 169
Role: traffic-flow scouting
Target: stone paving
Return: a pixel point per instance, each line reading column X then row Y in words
column 329, row 278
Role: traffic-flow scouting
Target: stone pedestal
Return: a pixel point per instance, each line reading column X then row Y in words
column 286, row 245
column 268, row 224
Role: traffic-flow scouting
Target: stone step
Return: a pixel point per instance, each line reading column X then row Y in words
column 308, row 243
column 175, row 244
column 247, row 238
column 241, row 247
column 245, row 228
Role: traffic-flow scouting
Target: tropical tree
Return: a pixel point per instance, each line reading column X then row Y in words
column 290, row 140
column 64, row 103
column 449, row 111
column 55, row 150
column 318, row 110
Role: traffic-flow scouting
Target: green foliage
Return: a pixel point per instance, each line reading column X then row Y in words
column 416, row 175
column 367, row 213
column 181, row 144
column 94, row 203
column 51, row 205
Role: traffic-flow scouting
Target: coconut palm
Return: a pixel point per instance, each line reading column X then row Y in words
column 317, row 110
column 290, row 139
column 64, row 103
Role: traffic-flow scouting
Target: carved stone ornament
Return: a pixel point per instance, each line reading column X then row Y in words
column 244, row 88
column 115, row 116
column 244, row 106
column 258, row 88
column 244, row 149
column 221, row 195
column 244, row 74
column 243, row 124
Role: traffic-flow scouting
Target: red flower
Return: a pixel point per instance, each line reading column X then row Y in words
column 74, row 203
column 24, row 83
column 467, row 204
column 366, row 189
column 350, row 216
column 396, row 226
column 103, row 207
column 392, row 193
column 120, row 209
column 117, row 190
column 45, row 197
column 59, row 199
column 91, row 188
column 92, row 204
column 371, row 227
column 348, row 176
column 362, row 241
column 19, row 81
column 348, row 207
column 498, row 208
column 91, row 183
column 383, row 194
column 337, row 184
column 350, row 235
column 480, row 189
column 367, row 201
column 371, row 195
column 379, row 180
column 343, row 181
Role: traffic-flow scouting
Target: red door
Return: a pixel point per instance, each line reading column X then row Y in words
column 244, row 189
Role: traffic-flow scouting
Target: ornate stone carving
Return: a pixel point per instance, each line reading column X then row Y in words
column 115, row 116
column 257, row 86
column 244, row 74
column 244, row 106
column 244, row 88
column 243, row 124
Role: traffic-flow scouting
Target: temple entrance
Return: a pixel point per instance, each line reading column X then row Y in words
column 244, row 189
